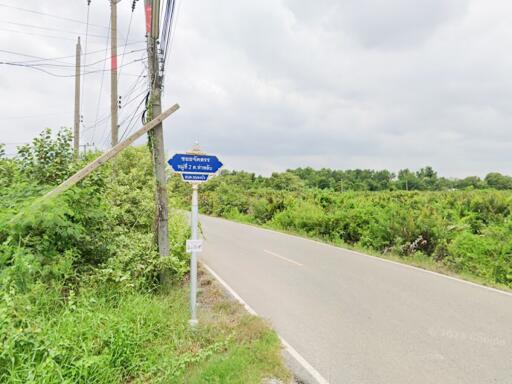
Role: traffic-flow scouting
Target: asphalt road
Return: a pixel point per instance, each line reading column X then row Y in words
column 360, row 319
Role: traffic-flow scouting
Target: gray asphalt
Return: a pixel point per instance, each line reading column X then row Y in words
column 359, row 319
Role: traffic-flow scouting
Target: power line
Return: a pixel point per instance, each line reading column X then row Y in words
column 131, row 89
column 46, row 28
column 174, row 26
column 48, row 15
column 102, row 81
column 144, row 91
column 36, row 67
column 84, row 57
column 56, row 59
column 34, row 63
column 135, row 83
column 133, row 121
column 30, row 117
column 96, row 123
column 128, row 94
column 36, row 34
column 137, row 109
column 126, row 41
column 168, row 29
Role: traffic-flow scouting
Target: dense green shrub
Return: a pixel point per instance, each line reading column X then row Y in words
column 467, row 231
column 77, row 271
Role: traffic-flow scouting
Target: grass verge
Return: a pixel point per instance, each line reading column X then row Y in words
column 97, row 337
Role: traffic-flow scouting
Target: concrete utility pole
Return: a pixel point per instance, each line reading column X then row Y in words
column 156, row 136
column 76, row 134
column 113, row 73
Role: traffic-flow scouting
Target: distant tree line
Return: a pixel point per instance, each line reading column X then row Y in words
column 425, row 179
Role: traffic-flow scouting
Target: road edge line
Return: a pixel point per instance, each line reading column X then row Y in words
column 382, row 259
column 292, row 351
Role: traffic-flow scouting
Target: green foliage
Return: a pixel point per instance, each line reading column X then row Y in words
column 47, row 160
column 286, row 181
column 498, row 181
column 67, row 260
column 79, row 279
column 426, row 179
column 468, row 231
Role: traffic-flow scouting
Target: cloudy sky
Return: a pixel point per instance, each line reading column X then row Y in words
column 276, row 84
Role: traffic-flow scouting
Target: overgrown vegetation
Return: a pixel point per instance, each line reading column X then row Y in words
column 79, row 282
column 468, row 232
column 425, row 179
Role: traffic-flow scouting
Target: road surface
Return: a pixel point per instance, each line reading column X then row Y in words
column 360, row 319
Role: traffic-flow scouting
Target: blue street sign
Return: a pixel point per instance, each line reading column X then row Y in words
column 190, row 163
column 194, row 177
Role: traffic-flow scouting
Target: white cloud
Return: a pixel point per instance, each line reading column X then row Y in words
column 271, row 85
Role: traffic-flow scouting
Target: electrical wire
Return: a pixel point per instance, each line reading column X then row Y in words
column 84, row 59
column 46, row 28
column 48, row 15
column 133, row 120
column 107, row 116
column 102, row 81
column 56, row 59
column 173, row 32
column 30, row 117
column 32, row 63
column 168, row 31
column 37, row 68
column 36, row 34
column 167, row 26
column 126, row 41
column 136, row 84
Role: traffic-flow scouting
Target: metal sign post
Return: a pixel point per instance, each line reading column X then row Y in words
column 193, row 258
column 195, row 167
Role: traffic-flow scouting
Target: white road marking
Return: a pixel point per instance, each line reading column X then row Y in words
column 381, row 259
column 283, row 258
column 292, row 351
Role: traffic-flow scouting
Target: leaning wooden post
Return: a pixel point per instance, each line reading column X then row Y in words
column 88, row 169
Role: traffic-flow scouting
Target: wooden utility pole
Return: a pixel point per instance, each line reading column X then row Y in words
column 113, row 73
column 156, row 136
column 76, row 133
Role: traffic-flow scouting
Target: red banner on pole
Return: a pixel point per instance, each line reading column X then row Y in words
column 148, row 18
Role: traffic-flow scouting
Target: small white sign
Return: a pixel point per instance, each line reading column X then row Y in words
column 194, row 246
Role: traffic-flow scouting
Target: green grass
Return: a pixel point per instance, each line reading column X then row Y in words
column 136, row 338
column 242, row 364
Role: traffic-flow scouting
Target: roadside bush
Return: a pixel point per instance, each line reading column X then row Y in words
column 467, row 231
column 77, row 272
